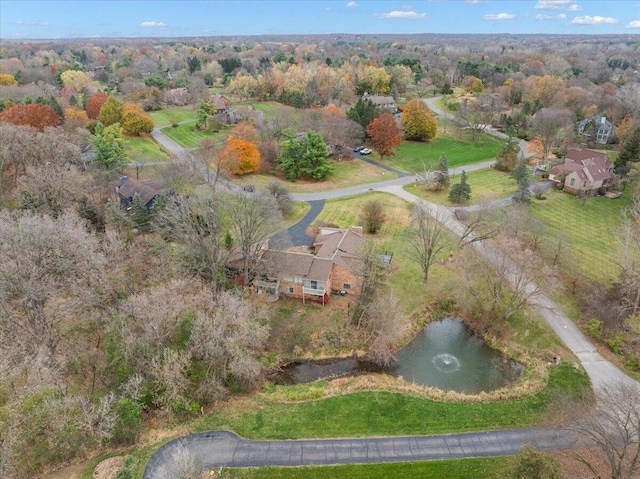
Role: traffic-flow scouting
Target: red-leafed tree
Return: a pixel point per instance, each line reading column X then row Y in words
column 37, row 116
column 94, row 103
column 385, row 134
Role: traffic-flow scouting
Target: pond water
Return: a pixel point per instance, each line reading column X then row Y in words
column 445, row 355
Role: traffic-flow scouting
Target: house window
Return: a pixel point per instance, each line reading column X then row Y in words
column 346, row 286
column 584, row 184
column 313, row 284
column 572, row 182
column 290, row 290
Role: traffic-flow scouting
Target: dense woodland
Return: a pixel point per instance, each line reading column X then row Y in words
column 109, row 318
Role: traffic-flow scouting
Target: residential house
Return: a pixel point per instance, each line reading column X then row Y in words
column 222, row 103
column 128, row 187
column 177, row 96
column 597, row 128
column 583, row 172
column 334, row 265
column 384, row 102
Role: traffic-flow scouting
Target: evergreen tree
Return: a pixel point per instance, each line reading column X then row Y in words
column 307, row 157
column 363, row 112
column 508, row 156
column 523, row 195
column 520, row 171
column 630, row 152
column 460, row 192
column 443, row 172
column 139, row 214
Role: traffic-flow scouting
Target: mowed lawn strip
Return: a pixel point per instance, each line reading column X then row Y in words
column 411, row 155
column 385, row 414
column 487, row 184
column 144, row 150
column 186, row 136
column 173, row 115
column 591, row 230
column 346, row 174
column 487, row 468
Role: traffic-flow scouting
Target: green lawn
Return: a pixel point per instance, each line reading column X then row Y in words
column 488, row 184
column 269, row 108
column 173, row 115
column 591, row 231
column 386, row 414
column 145, row 150
column 187, row 137
column 487, row 468
column 411, row 155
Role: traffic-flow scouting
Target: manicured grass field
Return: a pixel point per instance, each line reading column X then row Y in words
column 269, row 108
column 487, row 468
column 591, row 231
column 173, row 115
column 346, row 174
column 185, row 135
column 411, row 155
column 385, row 414
column 488, row 184
column 145, row 150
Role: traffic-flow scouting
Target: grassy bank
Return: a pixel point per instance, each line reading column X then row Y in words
column 488, row 468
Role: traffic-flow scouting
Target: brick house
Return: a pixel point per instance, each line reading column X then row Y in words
column 334, row 265
column 583, row 172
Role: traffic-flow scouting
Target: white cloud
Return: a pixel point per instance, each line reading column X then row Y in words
column 574, row 8
column 153, row 25
column 32, row 23
column 399, row 14
column 634, row 24
column 473, row 2
column 551, row 4
column 499, row 16
column 352, row 4
column 542, row 16
column 596, row 20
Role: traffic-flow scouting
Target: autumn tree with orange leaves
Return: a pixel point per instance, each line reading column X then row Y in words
column 94, row 103
column 37, row 116
column 135, row 120
column 385, row 134
column 241, row 156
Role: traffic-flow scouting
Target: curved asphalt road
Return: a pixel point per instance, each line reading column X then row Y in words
column 223, row 448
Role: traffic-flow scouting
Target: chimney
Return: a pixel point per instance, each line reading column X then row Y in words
column 123, row 180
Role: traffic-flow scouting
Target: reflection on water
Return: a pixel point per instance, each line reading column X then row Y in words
column 444, row 355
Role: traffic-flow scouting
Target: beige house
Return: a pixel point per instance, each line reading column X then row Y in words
column 385, row 102
column 583, row 172
column 334, row 265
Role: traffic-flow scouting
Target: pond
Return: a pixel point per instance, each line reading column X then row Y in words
column 445, row 355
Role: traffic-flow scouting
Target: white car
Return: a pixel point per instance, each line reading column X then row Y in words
column 365, row 151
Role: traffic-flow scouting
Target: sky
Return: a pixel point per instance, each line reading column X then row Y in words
column 52, row 19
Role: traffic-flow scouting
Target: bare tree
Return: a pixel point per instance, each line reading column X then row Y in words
column 608, row 436
column 372, row 271
column 197, row 225
column 429, row 237
column 481, row 224
column 385, row 325
column 252, row 219
column 44, row 258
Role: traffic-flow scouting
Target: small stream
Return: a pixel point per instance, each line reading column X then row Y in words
column 445, row 355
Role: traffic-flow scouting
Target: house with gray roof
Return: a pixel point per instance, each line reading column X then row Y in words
column 597, row 128
column 148, row 190
column 384, row 102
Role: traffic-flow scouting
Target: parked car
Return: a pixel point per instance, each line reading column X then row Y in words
column 358, row 148
column 365, row 151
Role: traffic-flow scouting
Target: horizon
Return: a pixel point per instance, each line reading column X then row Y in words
column 31, row 20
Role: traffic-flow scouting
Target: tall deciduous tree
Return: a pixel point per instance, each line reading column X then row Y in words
column 75, row 79
column 34, row 115
column 551, row 127
column 373, row 216
column 241, row 155
column 418, row 121
column 630, row 153
column 94, row 104
column 428, row 237
column 135, row 120
column 252, row 219
column 384, row 134
column 108, row 147
column 110, row 112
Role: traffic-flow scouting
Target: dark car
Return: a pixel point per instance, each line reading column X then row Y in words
column 358, row 148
